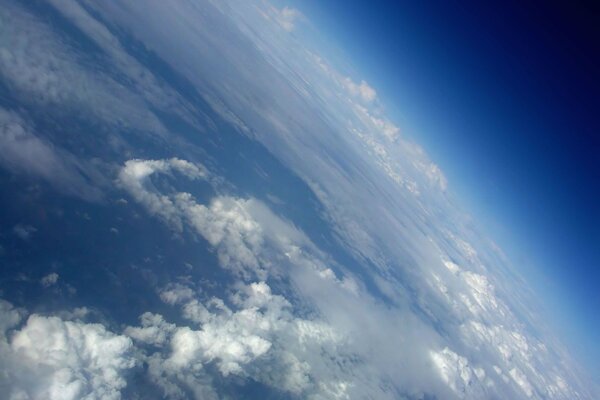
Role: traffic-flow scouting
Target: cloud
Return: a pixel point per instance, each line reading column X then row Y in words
column 134, row 176
column 458, row 374
column 362, row 90
column 49, row 358
column 154, row 330
column 287, row 17
column 241, row 230
column 41, row 68
column 522, row 381
column 176, row 294
column 49, row 279
column 259, row 338
column 253, row 243
column 24, row 232
column 381, row 316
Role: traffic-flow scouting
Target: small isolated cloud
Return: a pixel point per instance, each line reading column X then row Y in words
column 361, row 90
column 49, row 279
column 287, row 17
column 24, row 232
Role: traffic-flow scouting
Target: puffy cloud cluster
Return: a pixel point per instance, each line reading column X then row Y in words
column 248, row 237
column 511, row 360
column 260, row 337
column 50, row 358
column 456, row 371
column 256, row 337
column 134, row 178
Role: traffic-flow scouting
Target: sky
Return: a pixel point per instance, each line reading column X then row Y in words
column 504, row 98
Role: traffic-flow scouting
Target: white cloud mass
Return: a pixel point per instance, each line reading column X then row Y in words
column 362, row 90
column 49, row 358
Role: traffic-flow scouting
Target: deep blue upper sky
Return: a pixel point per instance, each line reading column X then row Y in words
column 505, row 98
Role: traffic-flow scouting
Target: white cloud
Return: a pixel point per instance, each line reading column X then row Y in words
column 287, row 17
column 176, row 294
column 454, row 369
column 135, row 174
column 259, row 338
column 154, row 330
column 361, row 90
column 455, row 269
column 522, row 381
column 247, row 340
column 49, row 279
column 49, row 358
column 228, row 226
column 250, row 240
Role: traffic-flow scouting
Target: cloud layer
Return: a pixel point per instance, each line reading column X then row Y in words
column 375, row 287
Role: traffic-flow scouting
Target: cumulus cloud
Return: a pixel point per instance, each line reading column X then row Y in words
column 176, row 294
column 248, row 237
column 248, row 339
column 49, row 358
column 251, row 241
column 225, row 223
column 257, row 337
column 522, row 381
column 134, row 177
column 154, row 330
column 453, row 368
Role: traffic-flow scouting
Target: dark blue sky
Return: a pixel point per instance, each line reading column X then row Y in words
column 506, row 98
